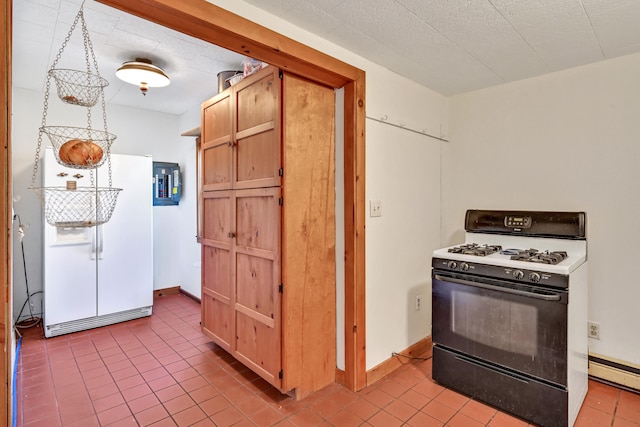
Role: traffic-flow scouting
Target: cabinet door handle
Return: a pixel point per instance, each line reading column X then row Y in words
column 231, row 235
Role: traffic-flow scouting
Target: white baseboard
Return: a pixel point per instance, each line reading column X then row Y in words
column 615, row 371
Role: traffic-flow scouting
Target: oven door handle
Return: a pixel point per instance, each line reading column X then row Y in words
column 545, row 297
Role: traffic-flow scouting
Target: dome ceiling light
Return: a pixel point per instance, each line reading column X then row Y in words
column 143, row 73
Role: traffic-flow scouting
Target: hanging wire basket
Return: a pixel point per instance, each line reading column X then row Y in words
column 78, row 87
column 79, row 207
column 79, row 148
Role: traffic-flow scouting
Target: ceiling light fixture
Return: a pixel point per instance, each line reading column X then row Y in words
column 143, row 73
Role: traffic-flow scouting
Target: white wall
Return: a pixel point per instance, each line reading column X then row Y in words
column 189, row 248
column 402, row 171
column 563, row 141
column 138, row 132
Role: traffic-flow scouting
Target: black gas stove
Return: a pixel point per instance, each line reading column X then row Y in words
column 509, row 321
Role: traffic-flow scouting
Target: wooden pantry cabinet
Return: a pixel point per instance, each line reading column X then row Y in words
column 268, row 228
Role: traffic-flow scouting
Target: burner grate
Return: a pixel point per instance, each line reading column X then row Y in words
column 546, row 257
column 476, row 249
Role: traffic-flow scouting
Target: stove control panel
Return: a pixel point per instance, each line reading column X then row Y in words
column 503, row 273
column 519, row 222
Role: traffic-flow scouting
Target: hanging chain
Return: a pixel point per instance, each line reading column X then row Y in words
column 88, row 49
column 41, row 131
column 46, row 95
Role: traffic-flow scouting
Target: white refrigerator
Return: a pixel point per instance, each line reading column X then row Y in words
column 97, row 276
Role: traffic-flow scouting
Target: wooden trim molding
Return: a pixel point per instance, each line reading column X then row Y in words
column 213, row 24
column 190, row 296
column 354, row 221
column 174, row 290
column 419, row 349
column 5, row 183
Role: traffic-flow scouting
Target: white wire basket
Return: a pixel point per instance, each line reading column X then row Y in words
column 80, row 207
column 91, row 153
column 78, row 87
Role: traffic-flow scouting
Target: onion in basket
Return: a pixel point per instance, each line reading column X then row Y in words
column 80, row 152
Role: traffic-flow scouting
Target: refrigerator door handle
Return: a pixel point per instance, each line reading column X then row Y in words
column 99, row 233
column 97, row 243
column 93, row 245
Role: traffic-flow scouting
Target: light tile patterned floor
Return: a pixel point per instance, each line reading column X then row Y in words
column 162, row 371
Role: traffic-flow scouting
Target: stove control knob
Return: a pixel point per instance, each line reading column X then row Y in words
column 534, row 277
column 452, row 264
column 518, row 274
column 464, row 266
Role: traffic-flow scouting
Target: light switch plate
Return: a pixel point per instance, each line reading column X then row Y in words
column 375, row 208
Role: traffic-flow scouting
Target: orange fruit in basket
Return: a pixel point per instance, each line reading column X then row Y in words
column 80, row 152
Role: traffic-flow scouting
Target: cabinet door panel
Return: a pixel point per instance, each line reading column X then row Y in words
column 257, row 224
column 217, row 316
column 217, row 150
column 257, row 280
column 258, row 160
column 217, row 275
column 257, row 123
column 216, row 167
column 258, row 347
column 258, row 99
column 216, row 320
column 254, row 288
column 216, row 218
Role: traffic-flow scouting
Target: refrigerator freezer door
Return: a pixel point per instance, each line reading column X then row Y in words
column 70, row 289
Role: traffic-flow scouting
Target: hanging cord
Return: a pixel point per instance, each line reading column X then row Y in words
column 32, row 320
column 406, row 356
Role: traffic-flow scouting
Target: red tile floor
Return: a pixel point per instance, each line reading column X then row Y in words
column 162, row 371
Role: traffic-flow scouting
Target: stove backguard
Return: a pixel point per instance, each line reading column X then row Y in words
column 560, row 225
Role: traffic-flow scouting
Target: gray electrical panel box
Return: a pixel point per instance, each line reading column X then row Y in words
column 166, row 184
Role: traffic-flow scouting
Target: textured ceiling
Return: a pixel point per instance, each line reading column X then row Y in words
column 40, row 27
column 454, row 46
column 450, row 46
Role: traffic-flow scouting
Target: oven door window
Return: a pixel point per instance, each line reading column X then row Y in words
column 516, row 329
column 474, row 317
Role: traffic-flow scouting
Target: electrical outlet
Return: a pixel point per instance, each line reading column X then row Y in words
column 594, row 330
column 418, row 302
column 375, row 208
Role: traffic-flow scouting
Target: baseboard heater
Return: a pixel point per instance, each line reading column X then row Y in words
column 95, row 322
column 614, row 371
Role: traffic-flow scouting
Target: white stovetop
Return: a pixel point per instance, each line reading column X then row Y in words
column 575, row 249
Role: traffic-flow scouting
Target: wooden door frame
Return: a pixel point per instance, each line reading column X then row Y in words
column 5, row 183
column 210, row 23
